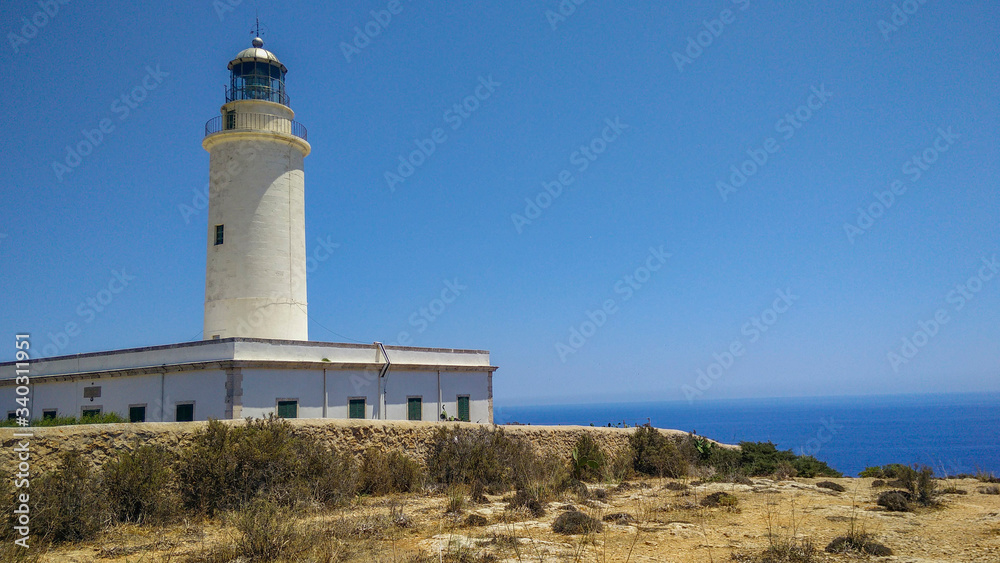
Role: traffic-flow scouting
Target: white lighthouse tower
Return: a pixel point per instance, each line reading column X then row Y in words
column 255, row 278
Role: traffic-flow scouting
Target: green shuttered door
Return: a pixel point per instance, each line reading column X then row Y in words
column 356, row 408
column 414, row 410
column 463, row 409
column 288, row 409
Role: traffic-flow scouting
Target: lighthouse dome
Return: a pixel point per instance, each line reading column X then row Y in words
column 257, row 53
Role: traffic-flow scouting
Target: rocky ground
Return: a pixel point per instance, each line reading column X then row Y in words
column 644, row 521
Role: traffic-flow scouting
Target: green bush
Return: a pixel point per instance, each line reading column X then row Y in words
column 103, row 418
column 764, row 458
column 68, row 506
column 383, row 473
column 656, row 454
column 890, row 471
column 139, row 486
column 588, row 459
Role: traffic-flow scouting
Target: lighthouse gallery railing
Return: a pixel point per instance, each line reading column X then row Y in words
column 255, row 122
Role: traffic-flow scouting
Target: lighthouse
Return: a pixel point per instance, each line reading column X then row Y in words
column 255, row 275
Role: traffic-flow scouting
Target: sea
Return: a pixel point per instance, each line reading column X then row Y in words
column 951, row 433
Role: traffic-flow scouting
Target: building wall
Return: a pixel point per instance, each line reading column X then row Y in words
column 160, row 393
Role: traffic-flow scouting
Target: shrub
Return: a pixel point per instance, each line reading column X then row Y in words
column 389, row 472
column 487, row 458
column 103, row 418
column 727, row 461
column 620, row 465
column 894, row 501
column 267, row 530
column 764, row 458
column 720, row 499
column 226, row 467
column 878, row 483
column 476, row 520
column 986, row 477
column 331, row 478
column 588, row 459
column 952, row 490
column 68, row 506
column 575, row 522
column 990, row 490
column 787, row 550
column 890, row 471
column 831, row 485
column 620, row 518
column 656, row 454
column 923, row 487
column 859, row 543
column 530, row 500
column 139, row 486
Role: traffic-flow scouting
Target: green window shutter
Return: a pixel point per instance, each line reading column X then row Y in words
column 356, row 408
column 414, row 409
column 185, row 413
column 288, row 409
column 463, row 409
column 90, row 412
column 137, row 414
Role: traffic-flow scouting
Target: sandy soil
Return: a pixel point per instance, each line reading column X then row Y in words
column 667, row 526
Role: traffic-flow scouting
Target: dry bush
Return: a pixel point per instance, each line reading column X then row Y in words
column 384, row 473
column 894, row 501
column 858, row 543
column 576, row 522
column 225, row 467
column 722, row 499
column 831, row 486
column 139, row 486
column 267, row 531
column 67, row 504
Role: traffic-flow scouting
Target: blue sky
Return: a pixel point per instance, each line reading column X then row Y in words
column 650, row 276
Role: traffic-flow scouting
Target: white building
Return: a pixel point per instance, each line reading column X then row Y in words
column 256, row 359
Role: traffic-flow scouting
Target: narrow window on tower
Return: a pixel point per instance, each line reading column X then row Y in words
column 219, row 234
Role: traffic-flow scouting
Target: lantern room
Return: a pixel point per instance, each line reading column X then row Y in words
column 256, row 74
